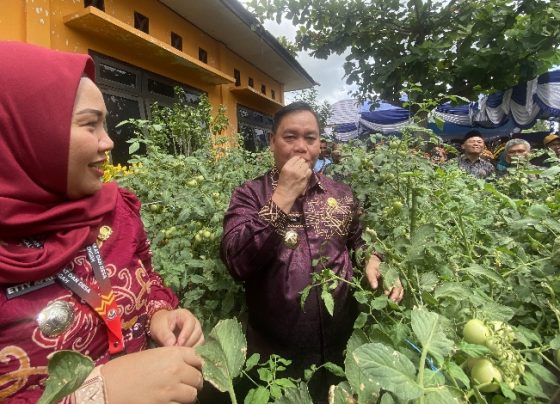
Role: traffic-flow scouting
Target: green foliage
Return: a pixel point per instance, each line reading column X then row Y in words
column 67, row 371
column 288, row 45
column 181, row 128
column 461, row 47
column 184, row 198
column 224, row 354
column 323, row 109
column 462, row 247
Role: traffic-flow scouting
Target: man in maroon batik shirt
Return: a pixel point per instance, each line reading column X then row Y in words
column 280, row 224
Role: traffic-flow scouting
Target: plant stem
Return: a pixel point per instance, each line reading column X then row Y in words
column 506, row 274
column 421, row 366
column 231, row 392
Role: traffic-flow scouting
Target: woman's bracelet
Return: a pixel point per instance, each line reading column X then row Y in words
column 92, row 391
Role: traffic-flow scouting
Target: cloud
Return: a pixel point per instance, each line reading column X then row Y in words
column 329, row 73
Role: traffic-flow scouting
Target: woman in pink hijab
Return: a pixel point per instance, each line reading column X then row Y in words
column 75, row 263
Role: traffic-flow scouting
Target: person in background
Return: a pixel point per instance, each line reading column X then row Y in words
column 331, row 169
column 75, row 264
column 280, row 229
column 516, row 150
column 438, row 155
column 471, row 160
column 552, row 141
column 323, row 161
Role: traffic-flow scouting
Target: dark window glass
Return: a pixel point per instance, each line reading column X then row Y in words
column 254, row 128
column 141, row 22
column 119, row 109
column 237, row 75
column 117, row 75
column 176, row 41
column 100, row 4
column 263, row 89
column 157, row 87
column 251, row 82
column 202, row 55
column 273, row 94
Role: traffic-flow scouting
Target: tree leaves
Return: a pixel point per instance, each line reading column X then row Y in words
column 453, row 47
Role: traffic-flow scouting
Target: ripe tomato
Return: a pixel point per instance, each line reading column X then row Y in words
column 484, row 372
column 475, row 332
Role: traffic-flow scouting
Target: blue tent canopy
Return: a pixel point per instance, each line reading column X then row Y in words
column 497, row 114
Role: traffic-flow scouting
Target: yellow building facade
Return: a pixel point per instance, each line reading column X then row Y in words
column 143, row 49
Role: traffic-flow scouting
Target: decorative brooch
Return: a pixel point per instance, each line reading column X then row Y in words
column 104, row 233
column 332, row 202
column 291, row 239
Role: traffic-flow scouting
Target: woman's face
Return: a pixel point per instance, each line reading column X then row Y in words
column 88, row 142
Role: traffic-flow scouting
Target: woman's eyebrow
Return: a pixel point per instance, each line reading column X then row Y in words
column 90, row 111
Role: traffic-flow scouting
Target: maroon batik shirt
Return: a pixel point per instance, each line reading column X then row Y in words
column 254, row 250
column 139, row 293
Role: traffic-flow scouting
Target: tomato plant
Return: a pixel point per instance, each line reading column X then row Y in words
column 464, row 249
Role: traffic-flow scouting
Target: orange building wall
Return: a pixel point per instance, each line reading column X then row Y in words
column 41, row 22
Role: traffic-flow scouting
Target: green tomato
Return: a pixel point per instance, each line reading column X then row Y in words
column 397, row 205
column 484, row 372
column 192, row 183
column 198, row 237
column 475, row 332
column 155, row 207
column 206, row 234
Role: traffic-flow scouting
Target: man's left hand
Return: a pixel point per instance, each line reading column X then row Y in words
column 176, row 328
column 373, row 275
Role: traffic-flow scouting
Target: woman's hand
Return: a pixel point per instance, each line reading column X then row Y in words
column 176, row 328
column 159, row 375
column 373, row 274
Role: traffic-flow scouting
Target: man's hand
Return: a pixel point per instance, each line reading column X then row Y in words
column 292, row 182
column 373, row 275
column 176, row 328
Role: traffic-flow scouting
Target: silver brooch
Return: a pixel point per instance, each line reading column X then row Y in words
column 291, row 239
column 56, row 318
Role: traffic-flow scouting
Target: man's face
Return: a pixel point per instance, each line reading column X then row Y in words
column 555, row 147
column 323, row 150
column 474, row 145
column 297, row 135
column 518, row 151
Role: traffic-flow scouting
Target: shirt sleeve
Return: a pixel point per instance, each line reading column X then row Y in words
column 252, row 233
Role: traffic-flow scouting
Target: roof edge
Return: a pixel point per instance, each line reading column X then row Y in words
column 254, row 24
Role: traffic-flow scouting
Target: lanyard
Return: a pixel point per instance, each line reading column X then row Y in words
column 103, row 303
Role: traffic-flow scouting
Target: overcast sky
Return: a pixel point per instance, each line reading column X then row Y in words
column 328, row 73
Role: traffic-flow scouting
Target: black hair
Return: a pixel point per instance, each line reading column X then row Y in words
column 297, row 106
column 472, row 133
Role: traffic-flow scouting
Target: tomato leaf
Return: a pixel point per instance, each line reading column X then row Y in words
column 388, row 369
column 67, row 371
column 223, row 353
column 341, row 394
column 327, row 298
column 298, row 395
column 334, row 369
column 457, row 373
column 259, row 395
column 430, row 331
column 542, row 373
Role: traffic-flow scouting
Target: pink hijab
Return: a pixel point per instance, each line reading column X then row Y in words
column 37, row 92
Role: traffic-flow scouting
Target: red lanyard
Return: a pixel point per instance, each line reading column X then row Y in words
column 103, row 303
